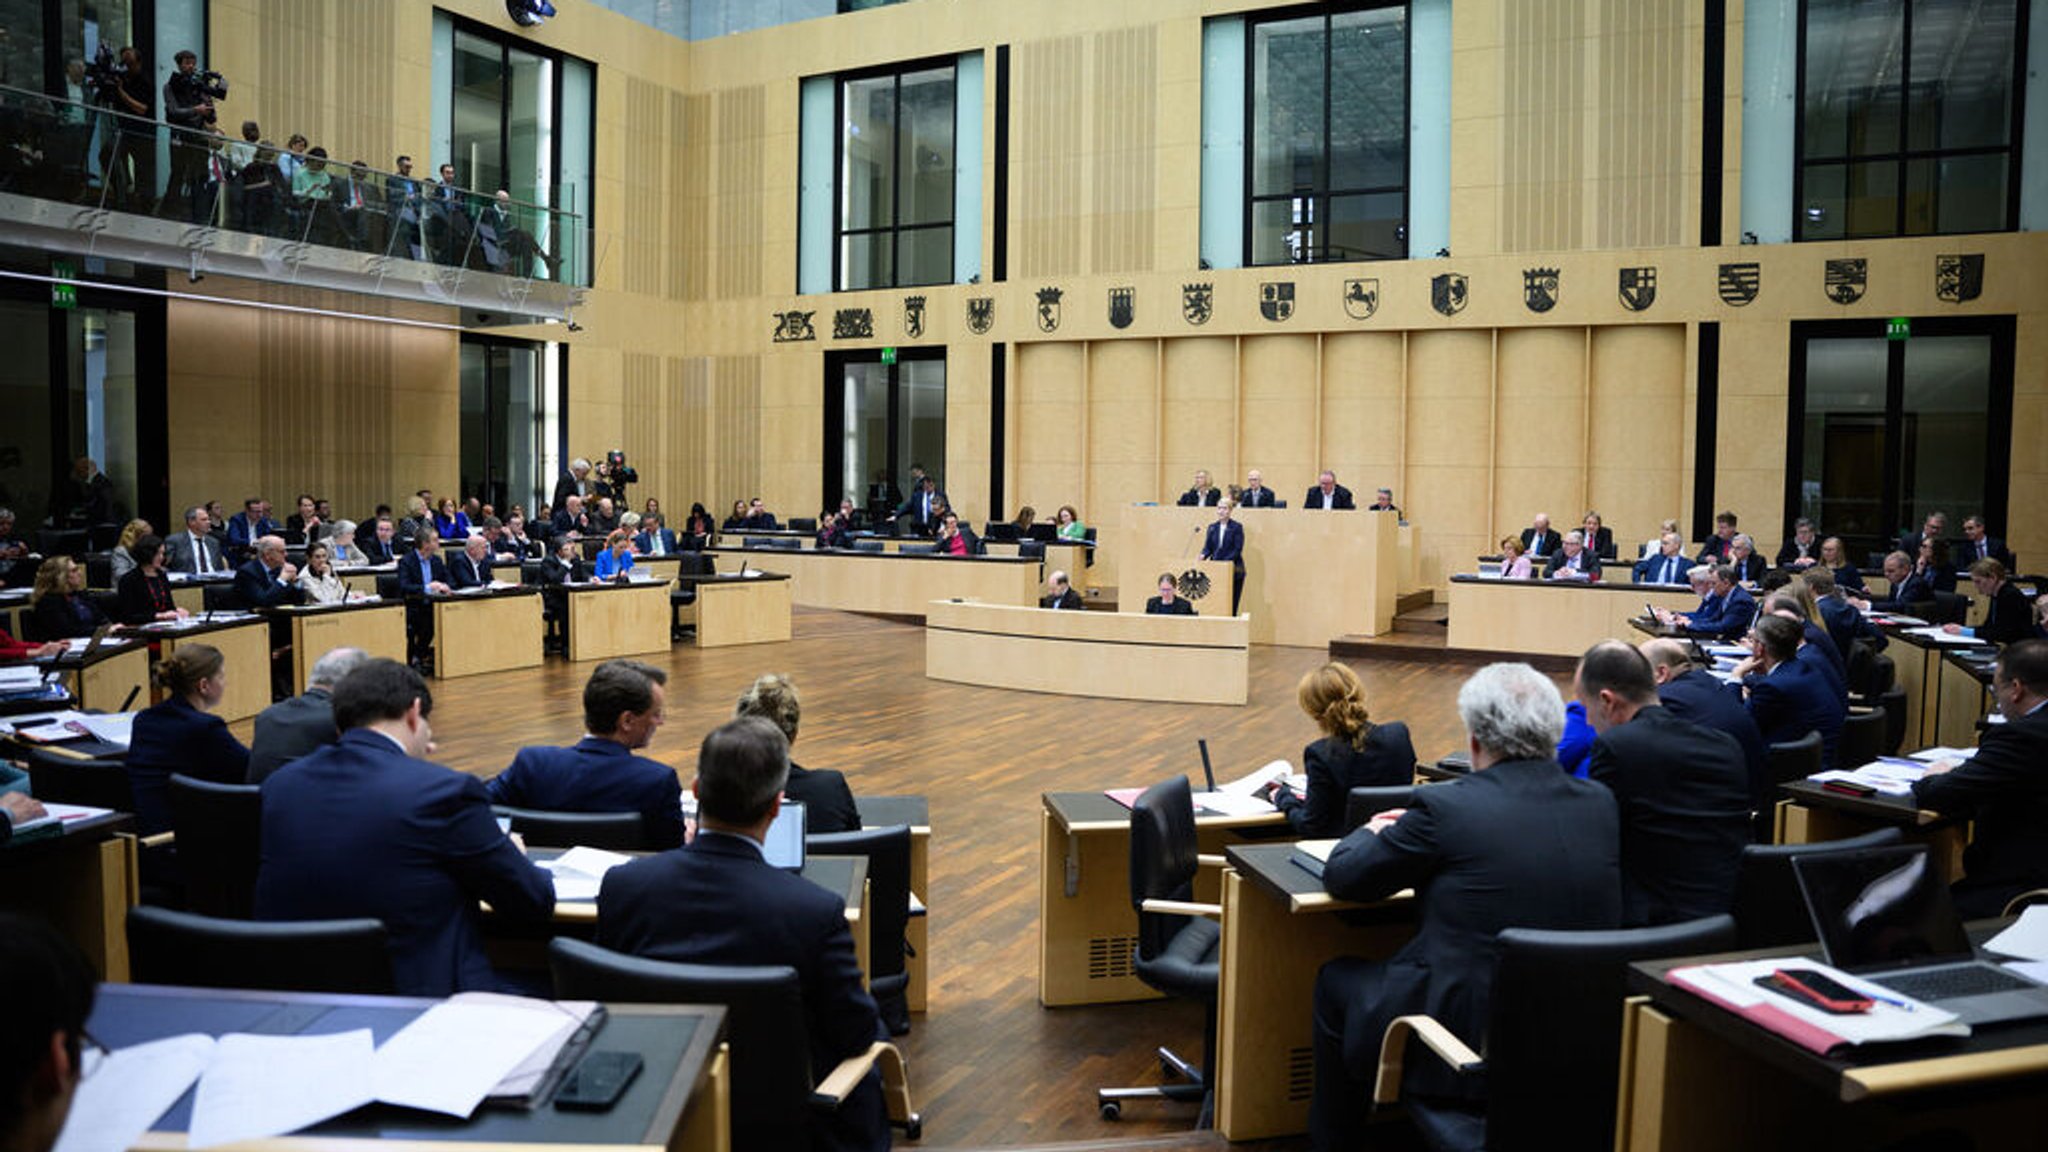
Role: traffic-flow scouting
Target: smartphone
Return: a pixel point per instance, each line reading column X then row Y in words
column 1816, row 990
column 597, row 1083
column 1850, row 787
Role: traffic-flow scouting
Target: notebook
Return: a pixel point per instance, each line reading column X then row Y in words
column 1884, row 914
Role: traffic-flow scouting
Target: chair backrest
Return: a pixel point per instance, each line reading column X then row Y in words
column 1554, row 1032
column 867, row 545
column 220, row 598
column 789, row 543
column 1769, row 910
column 1163, row 863
column 93, row 783
column 1949, row 608
column 63, row 541
column 771, row 1060
column 916, row 549
column 617, row 831
column 167, row 947
column 1794, row 760
column 99, row 570
column 1893, row 703
column 803, row 523
column 1031, row 549
column 887, row 909
column 757, row 542
column 220, row 844
column 1862, row 739
column 1360, row 804
column 103, row 537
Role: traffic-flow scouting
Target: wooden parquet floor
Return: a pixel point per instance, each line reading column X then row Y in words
column 990, row 1067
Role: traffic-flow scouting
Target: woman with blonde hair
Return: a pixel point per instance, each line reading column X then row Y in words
column 1515, row 562
column 1354, row 752
column 182, row 734
column 123, row 555
column 59, row 609
column 828, row 802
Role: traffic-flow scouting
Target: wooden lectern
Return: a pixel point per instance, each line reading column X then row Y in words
column 1204, row 583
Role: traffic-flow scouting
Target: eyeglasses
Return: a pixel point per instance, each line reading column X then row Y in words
column 88, row 1044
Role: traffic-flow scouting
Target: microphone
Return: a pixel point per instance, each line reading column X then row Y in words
column 1197, row 531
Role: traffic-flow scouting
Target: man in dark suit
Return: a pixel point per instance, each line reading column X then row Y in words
column 1328, row 495
column 1059, row 594
column 1934, row 527
column 1383, row 501
column 296, row 726
column 575, row 482
column 1979, row 545
column 716, row 901
column 1168, row 602
column 1668, row 566
column 1715, row 550
column 1682, row 790
column 377, row 544
column 1749, row 567
column 1845, row 624
column 1725, row 610
column 654, row 539
column 368, row 827
column 1802, row 551
column 402, row 205
column 1538, row 539
column 1256, row 494
column 1573, row 560
column 758, row 517
column 249, row 525
column 1224, row 540
column 1692, row 693
column 571, row 519
column 1789, row 697
column 422, row 573
column 2002, row 788
column 1203, row 494
column 1816, row 647
column 624, row 704
column 195, row 549
column 1515, row 843
column 472, row 568
column 924, row 506
column 266, row 581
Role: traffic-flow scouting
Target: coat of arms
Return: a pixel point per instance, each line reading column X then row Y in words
column 1276, row 300
column 1049, row 309
column 1448, row 292
column 853, row 324
column 1740, row 283
column 1197, row 303
column 794, row 325
column 913, row 316
column 1638, row 288
column 1845, row 279
column 981, row 314
column 1539, row 288
column 1122, row 305
column 1361, row 298
column 1959, row 279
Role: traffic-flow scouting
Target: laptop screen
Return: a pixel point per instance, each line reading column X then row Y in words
column 784, row 844
column 1879, row 908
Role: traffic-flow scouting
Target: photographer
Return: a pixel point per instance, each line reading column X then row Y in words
column 127, row 146
column 614, row 474
column 189, row 97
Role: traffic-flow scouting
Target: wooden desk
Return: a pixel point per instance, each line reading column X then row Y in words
column 892, row 584
column 83, row 882
column 607, row 620
column 244, row 643
column 1086, row 926
column 1279, row 928
column 375, row 626
column 189, row 592
column 914, row 811
column 1939, row 700
column 13, row 602
column 1551, row 617
column 679, row 1100
column 1310, row 577
column 1812, row 813
column 735, row 609
column 107, row 680
column 1109, row 655
column 1964, row 698
column 1696, row 1077
column 487, row 632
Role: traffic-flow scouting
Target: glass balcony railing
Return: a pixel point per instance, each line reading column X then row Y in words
column 282, row 208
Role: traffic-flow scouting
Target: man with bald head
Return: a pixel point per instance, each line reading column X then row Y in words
column 1256, row 494
column 267, row 579
column 1690, row 692
column 1538, row 539
column 1668, row 566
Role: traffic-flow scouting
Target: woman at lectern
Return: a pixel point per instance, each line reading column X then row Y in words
column 1353, row 753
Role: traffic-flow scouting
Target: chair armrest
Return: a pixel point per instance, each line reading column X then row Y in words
column 2031, row 896
column 833, row 1090
column 1207, row 860
column 1386, row 1087
column 1182, row 908
column 160, row 840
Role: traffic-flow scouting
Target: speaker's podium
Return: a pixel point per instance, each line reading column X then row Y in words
column 1203, row 583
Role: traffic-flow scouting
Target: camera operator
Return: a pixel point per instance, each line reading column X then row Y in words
column 189, row 97
column 127, row 146
column 614, row 474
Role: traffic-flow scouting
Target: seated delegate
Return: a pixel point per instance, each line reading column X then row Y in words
column 616, row 558
column 59, row 606
column 1168, row 602
column 143, row 595
column 1352, row 753
column 181, row 735
column 828, row 802
column 624, row 704
column 2000, row 788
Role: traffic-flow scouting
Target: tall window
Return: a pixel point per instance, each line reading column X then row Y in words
column 896, row 172
column 506, row 406
column 881, row 418
column 1327, row 142
column 1908, row 117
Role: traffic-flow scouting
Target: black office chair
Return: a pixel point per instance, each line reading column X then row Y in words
column 1893, row 703
column 1769, row 910
column 614, row 831
column 1867, row 678
column 103, row 537
column 772, row 1089
column 756, row 542
column 1178, row 940
column 887, row 910
column 220, row 598
column 1784, row 763
column 867, row 544
column 1031, row 549
column 167, row 947
column 92, row 783
column 219, row 831
column 1553, row 1038
column 803, row 523
column 684, row 595
column 65, row 541
column 1949, row 608
column 1361, row 804
column 1862, row 738
column 916, row 549
column 99, row 570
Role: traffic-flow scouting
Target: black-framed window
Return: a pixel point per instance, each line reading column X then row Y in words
column 881, row 418
column 504, row 418
column 1882, row 432
column 1909, row 117
column 1326, row 139
column 895, row 155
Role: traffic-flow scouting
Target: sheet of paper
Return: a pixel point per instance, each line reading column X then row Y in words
column 263, row 1086
column 2027, row 938
column 114, row 727
column 2031, row 969
column 1251, row 782
column 571, row 1014
column 1892, row 1017
column 1316, row 849
column 129, row 1089
column 1937, row 635
column 71, row 813
column 1232, row 804
column 20, row 677
column 451, row 1056
column 1933, row 755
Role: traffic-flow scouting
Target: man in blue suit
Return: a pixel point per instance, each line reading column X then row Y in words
column 623, row 706
column 422, row 573
column 267, row 580
column 1844, row 623
column 368, row 827
column 472, row 569
column 249, row 525
column 1224, row 540
column 655, row 539
column 716, row 901
column 1691, row 692
column 1668, row 566
column 1725, row 610
column 1978, row 544
column 1789, row 697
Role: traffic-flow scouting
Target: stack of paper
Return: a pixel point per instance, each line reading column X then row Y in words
column 579, row 871
column 1241, row 797
column 1892, row 1017
column 20, row 678
column 1889, row 775
column 2027, row 938
column 1940, row 636
column 1937, row 754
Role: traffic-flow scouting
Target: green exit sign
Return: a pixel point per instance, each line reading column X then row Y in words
column 63, row 295
column 888, row 355
column 1898, row 328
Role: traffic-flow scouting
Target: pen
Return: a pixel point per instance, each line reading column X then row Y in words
column 1903, row 1005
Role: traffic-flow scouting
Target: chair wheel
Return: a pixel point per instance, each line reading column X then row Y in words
column 914, row 1129
column 1111, row 1110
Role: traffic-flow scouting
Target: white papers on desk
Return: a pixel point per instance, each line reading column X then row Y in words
column 1891, row 776
column 452, row 1055
column 579, row 871
column 1902, row 621
column 572, row 1016
column 2027, row 938
column 20, row 678
column 1891, row 1017
column 1938, row 754
column 111, row 727
column 72, row 813
column 125, row 1092
column 263, row 1086
column 1936, row 634
column 1240, row 797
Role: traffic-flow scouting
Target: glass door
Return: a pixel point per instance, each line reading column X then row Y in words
column 504, row 407
column 880, row 419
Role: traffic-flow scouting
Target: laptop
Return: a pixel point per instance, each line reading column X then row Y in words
column 1001, row 530
column 1884, row 914
column 784, row 845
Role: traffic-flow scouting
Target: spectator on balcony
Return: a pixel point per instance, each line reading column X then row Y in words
column 449, row 226
column 402, row 210
column 313, row 190
column 261, row 181
column 190, row 113
column 128, row 146
column 354, row 208
column 293, row 159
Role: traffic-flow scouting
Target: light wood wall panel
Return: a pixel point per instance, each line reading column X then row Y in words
column 1364, row 393
column 1048, row 147
column 1642, row 166
column 1540, row 407
column 1123, row 191
column 1749, row 442
column 1636, row 446
column 689, row 199
column 1543, row 178
column 737, row 215
column 1050, row 436
column 1123, row 427
column 351, row 79
column 968, row 397
column 1277, row 412
column 1198, row 414
column 1450, row 436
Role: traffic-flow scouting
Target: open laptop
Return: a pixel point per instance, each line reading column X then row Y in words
column 1000, row 530
column 1884, row 914
column 784, row 845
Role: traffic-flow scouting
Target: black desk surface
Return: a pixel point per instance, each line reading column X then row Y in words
column 195, row 625
column 1898, row 810
column 674, row 1041
column 29, row 847
column 1827, row 1072
column 1271, row 867
column 883, row 556
column 882, row 811
column 485, row 594
column 287, row 611
column 1072, row 808
column 700, row 579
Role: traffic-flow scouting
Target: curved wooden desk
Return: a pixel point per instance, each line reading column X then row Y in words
column 1551, row 617
column 1112, row 655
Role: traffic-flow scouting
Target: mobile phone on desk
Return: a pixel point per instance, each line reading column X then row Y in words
column 598, row 1082
column 1816, row 990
